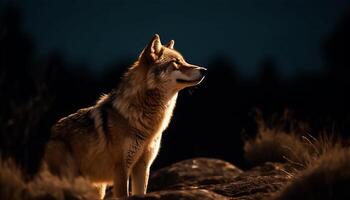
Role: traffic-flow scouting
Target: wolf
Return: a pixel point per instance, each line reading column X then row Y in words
column 118, row 138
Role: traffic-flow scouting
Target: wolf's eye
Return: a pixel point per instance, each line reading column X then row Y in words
column 176, row 62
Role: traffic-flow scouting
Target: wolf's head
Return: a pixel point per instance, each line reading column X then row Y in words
column 166, row 68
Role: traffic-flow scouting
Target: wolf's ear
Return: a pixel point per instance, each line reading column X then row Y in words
column 170, row 44
column 155, row 44
column 153, row 50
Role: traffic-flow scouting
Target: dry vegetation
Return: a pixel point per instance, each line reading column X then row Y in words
column 15, row 186
column 321, row 167
column 328, row 177
column 287, row 140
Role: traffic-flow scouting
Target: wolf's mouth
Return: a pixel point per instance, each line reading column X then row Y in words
column 188, row 81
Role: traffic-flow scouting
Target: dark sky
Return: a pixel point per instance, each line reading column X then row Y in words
column 100, row 32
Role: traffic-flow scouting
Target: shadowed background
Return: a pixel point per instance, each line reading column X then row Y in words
column 57, row 57
column 99, row 32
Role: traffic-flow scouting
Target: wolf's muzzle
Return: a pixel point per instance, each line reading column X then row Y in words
column 203, row 71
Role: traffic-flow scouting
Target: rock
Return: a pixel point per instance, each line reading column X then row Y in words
column 204, row 178
column 193, row 172
column 257, row 183
column 181, row 195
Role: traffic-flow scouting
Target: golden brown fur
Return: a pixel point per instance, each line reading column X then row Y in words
column 120, row 135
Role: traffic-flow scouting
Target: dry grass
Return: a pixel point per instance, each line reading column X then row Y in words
column 326, row 178
column 321, row 164
column 276, row 143
column 13, row 186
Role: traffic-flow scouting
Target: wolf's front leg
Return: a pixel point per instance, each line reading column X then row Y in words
column 140, row 171
column 121, row 182
column 139, row 177
column 101, row 189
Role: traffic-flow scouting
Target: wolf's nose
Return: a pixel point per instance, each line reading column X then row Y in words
column 203, row 71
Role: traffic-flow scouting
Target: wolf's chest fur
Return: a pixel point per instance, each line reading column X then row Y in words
column 131, row 125
column 148, row 125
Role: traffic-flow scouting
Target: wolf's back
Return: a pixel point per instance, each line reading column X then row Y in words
column 80, row 123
